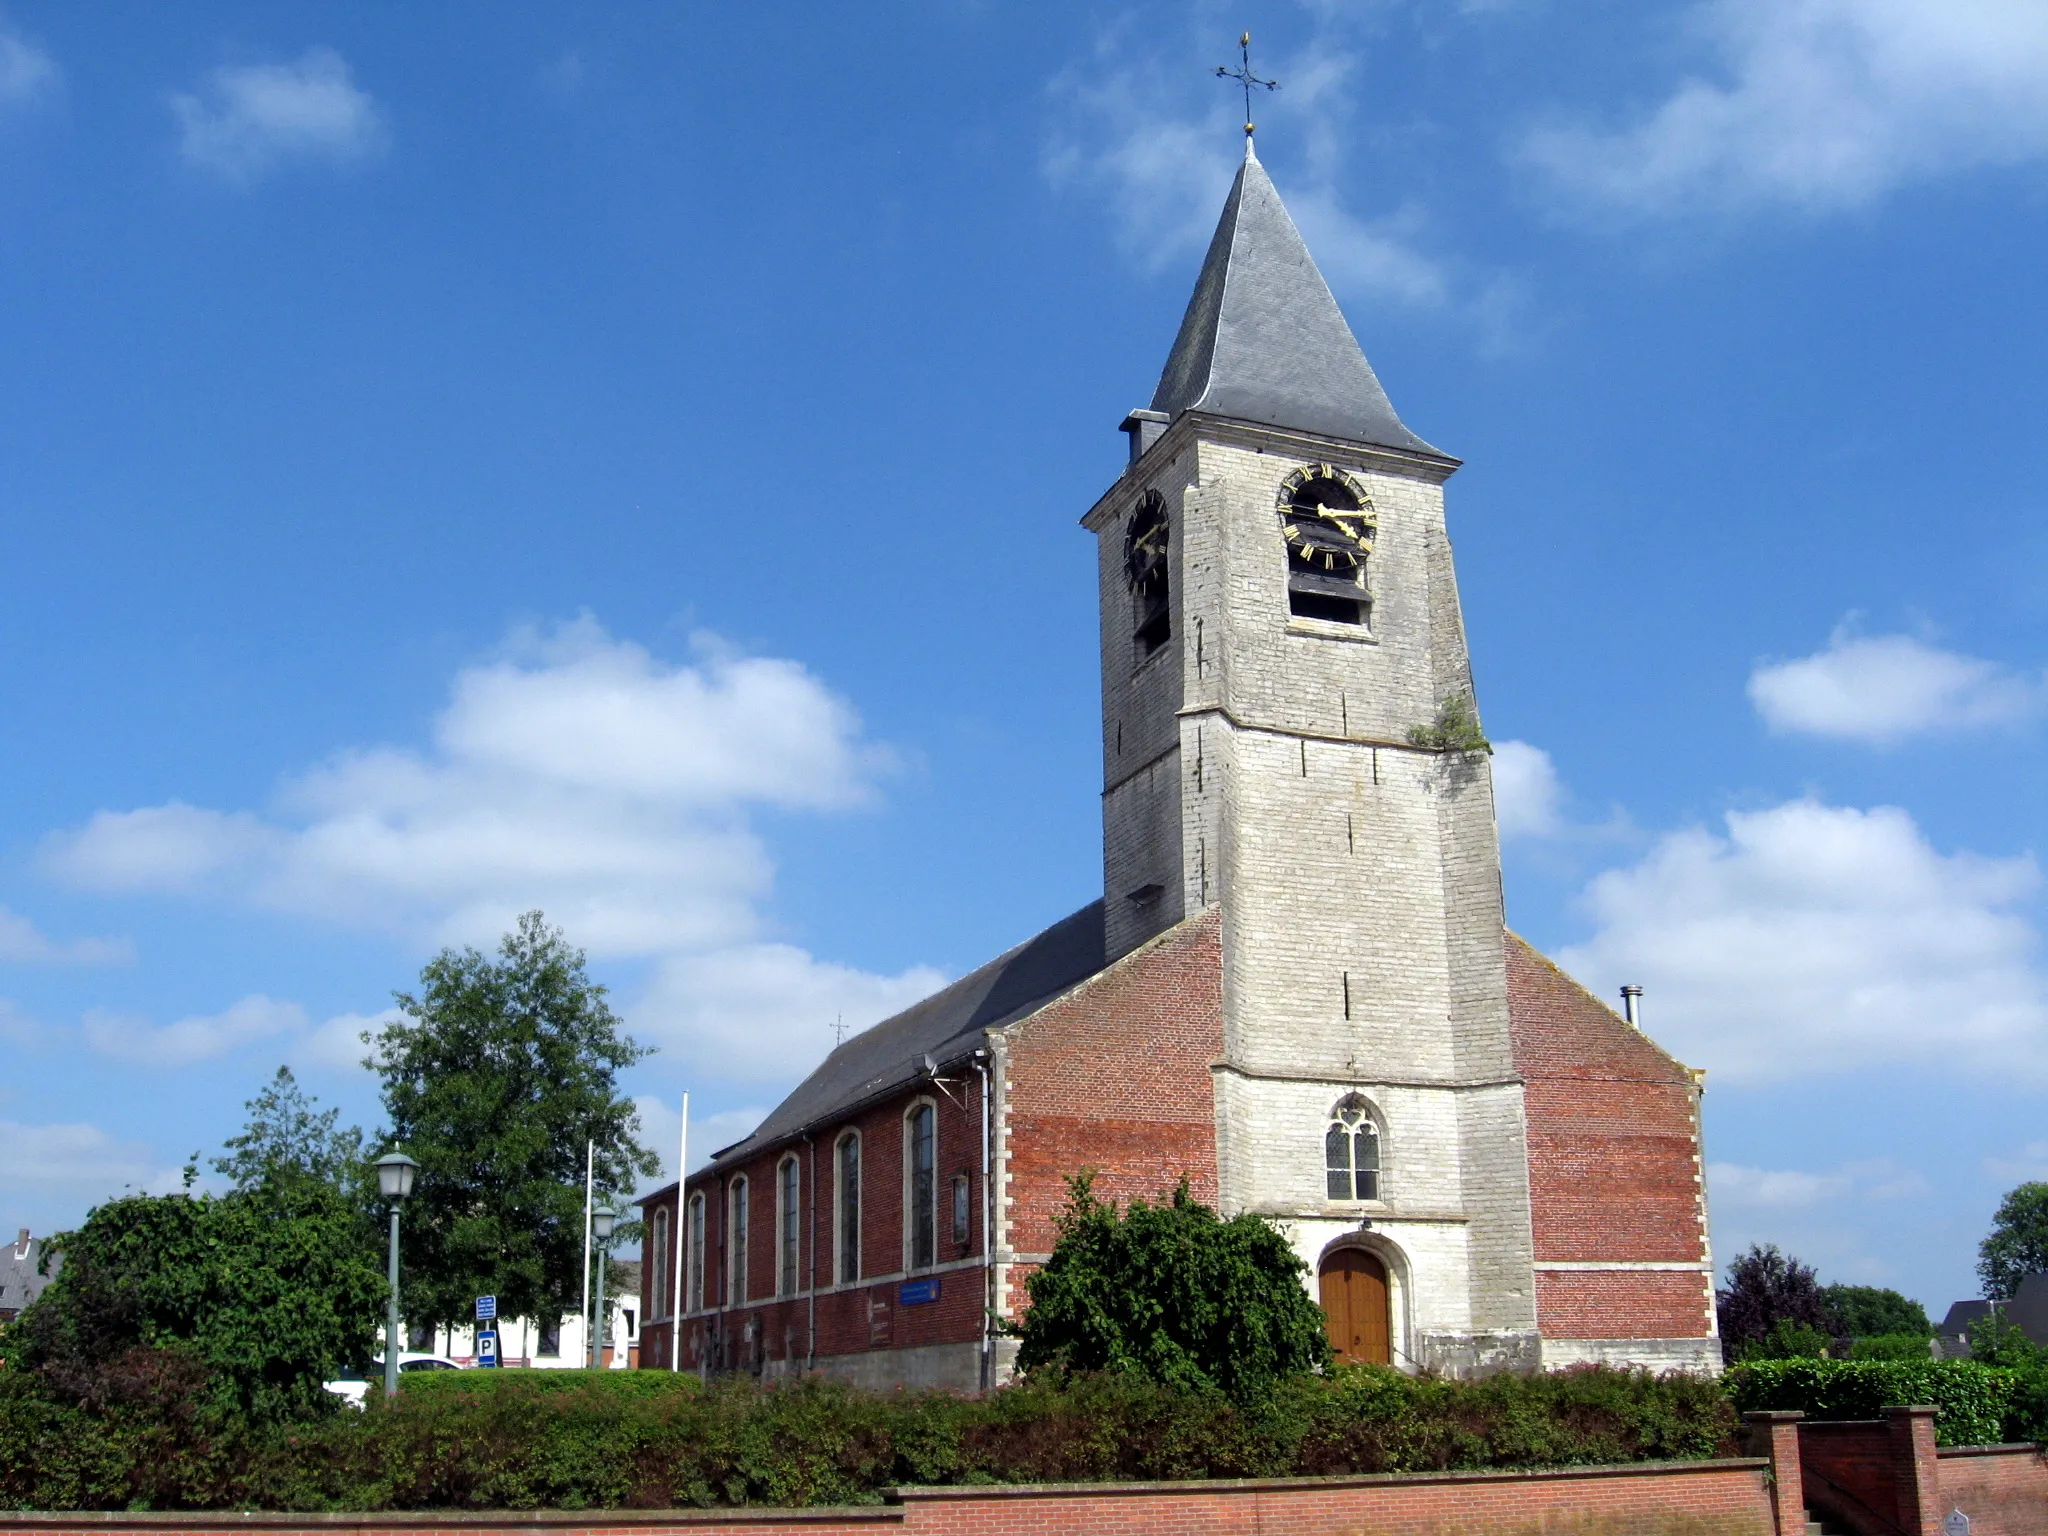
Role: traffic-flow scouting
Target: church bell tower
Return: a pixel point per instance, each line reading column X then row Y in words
column 1282, row 649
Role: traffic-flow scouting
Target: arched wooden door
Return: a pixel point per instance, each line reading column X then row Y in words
column 1354, row 1293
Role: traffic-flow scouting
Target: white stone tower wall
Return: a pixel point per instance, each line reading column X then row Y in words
column 1346, row 862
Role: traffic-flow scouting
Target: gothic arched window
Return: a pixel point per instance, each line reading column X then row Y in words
column 738, row 1231
column 658, row 1269
column 788, row 1219
column 921, row 1186
column 693, row 1299
column 846, row 1213
column 1351, row 1151
column 1145, row 550
column 1329, row 526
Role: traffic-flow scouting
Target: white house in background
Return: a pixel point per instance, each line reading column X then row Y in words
column 562, row 1347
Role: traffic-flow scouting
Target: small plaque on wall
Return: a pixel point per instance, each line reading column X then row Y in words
column 915, row 1292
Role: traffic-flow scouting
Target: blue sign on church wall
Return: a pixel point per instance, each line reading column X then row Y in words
column 912, row 1292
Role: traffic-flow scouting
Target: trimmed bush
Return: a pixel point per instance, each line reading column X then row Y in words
column 574, row 1440
column 1973, row 1401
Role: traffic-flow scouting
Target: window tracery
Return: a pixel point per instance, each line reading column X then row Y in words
column 1351, row 1151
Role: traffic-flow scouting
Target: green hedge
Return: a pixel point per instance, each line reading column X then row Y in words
column 538, row 1439
column 1976, row 1402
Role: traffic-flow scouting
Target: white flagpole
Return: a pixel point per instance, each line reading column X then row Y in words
column 589, row 1167
column 675, row 1311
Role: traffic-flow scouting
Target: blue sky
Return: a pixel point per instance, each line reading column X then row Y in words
column 626, row 461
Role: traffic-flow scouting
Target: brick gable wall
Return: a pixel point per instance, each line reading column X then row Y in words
column 1614, row 1164
column 1115, row 1076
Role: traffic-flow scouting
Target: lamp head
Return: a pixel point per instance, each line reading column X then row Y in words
column 395, row 1173
column 602, row 1220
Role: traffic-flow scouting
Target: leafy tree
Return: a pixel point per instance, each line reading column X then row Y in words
column 495, row 1077
column 1766, row 1287
column 2018, row 1243
column 287, row 1138
column 1788, row 1340
column 1873, row 1312
column 252, row 1299
column 1170, row 1292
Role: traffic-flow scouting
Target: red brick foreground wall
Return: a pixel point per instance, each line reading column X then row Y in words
column 2002, row 1488
column 1701, row 1498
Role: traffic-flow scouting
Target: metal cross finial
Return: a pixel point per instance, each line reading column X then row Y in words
column 1243, row 76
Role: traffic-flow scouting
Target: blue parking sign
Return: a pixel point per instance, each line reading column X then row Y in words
column 487, row 1347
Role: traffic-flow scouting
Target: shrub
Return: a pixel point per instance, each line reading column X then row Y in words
column 1973, row 1400
column 575, row 1440
column 248, row 1302
column 1788, row 1340
column 1172, row 1293
column 1890, row 1346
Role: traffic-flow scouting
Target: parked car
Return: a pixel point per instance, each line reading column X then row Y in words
column 353, row 1386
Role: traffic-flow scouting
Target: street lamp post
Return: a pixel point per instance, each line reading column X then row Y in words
column 395, row 1172
column 601, row 1222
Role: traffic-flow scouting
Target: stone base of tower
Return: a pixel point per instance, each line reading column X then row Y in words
column 1698, row 1357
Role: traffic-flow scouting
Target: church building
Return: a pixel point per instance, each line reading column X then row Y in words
column 1297, row 991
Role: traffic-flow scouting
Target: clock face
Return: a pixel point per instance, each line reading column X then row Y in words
column 1327, row 521
column 1145, row 547
column 1331, row 539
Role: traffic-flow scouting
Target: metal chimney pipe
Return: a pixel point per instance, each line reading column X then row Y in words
column 1631, row 1006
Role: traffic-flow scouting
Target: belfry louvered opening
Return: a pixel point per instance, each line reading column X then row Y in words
column 1329, row 528
column 1145, row 568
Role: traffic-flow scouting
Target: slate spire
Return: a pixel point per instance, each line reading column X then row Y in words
column 1263, row 339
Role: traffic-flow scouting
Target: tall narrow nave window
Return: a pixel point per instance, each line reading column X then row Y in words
column 846, row 1236
column 1329, row 527
column 1351, row 1151
column 657, row 1269
column 786, row 1228
column 1145, row 550
column 736, row 1244
column 922, row 1188
column 693, row 1299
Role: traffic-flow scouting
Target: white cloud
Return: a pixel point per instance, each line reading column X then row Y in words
column 1528, row 796
column 201, row 1037
column 1814, row 938
column 337, row 1045
column 577, row 774
column 1158, row 150
column 661, row 1124
column 80, row 1162
column 765, row 1012
column 248, row 119
column 1736, row 1186
column 27, row 74
column 1822, row 104
column 21, row 1031
column 2030, row 1164
column 25, row 944
column 1882, row 689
